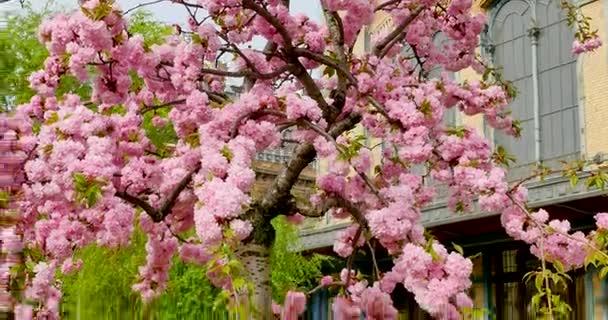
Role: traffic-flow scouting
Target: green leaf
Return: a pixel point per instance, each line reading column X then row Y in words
column 501, row 156
column 536, row 300
column 426, row 108
column 54, row 118
column 118, row 109
column 227, row 153
column 538, row 282
column 458, row 131
column 239, row 283
column 574, row 180
column 458, row 248
column 329, row 72
column 193, row 140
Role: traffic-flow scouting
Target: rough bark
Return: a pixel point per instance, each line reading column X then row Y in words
column 256, row 260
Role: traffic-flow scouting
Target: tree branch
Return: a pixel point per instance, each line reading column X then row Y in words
column 153, row 213
column 318, row 211
column 336, row 31
column 165, row 209
column 270, row 18
column 323, row 59
column 160, row 106
column 385, row 5
column 247, row 73
column 254, row 115
column 160, row 214
column 387, row 43
column 302, row 156
column 269, row 50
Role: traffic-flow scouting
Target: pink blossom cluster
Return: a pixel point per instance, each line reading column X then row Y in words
column 439, row 281
column 11, row 247
column 15, row 144
column 588, row 45
column 549, row 240
column 461, row 27
column 295, row 305
column 91, row 171
column 160, row 248
column 371, row 301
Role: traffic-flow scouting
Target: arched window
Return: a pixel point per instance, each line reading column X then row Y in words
column 512, row 53
column 559, row 114
column 532, row 45
column 440, row 39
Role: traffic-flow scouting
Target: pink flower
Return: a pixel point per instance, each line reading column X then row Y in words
column 276, row 308
column 602, row 220
column 326, row 281
column 296, row 219
column 377, row 305
column 242, row 229
column 295, row 304
column 345, row 309
column 70, row 266
column 159, row 122
column 24, row 312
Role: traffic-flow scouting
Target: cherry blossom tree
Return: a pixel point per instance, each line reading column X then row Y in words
column 91, row 172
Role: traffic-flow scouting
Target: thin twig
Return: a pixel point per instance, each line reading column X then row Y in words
column 371, row 249
column 544, row 270
column 160, row 106
column 143, row 5
column 319, row 287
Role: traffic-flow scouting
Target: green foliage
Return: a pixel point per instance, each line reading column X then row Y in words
column 102, row 288
column 352, row 148
column 88, row 190
column 501, row 156
column 20, row 55
column 142, row 23
column 162, row 137
column 599, row 180
column 548, row 301
column 189, row 294
column 291, row 269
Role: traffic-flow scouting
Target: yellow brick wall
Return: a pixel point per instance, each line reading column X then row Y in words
column 594, row 89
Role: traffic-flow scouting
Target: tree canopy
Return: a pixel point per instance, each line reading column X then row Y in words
column 163, row 144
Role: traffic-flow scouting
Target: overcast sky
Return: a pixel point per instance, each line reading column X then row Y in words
column 163, row 11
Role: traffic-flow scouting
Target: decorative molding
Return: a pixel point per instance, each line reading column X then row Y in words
column 551, row 191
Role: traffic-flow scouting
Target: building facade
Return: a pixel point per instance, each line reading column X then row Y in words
column 563, row 109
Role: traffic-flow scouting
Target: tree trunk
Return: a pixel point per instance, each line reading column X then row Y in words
column 256, row 260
